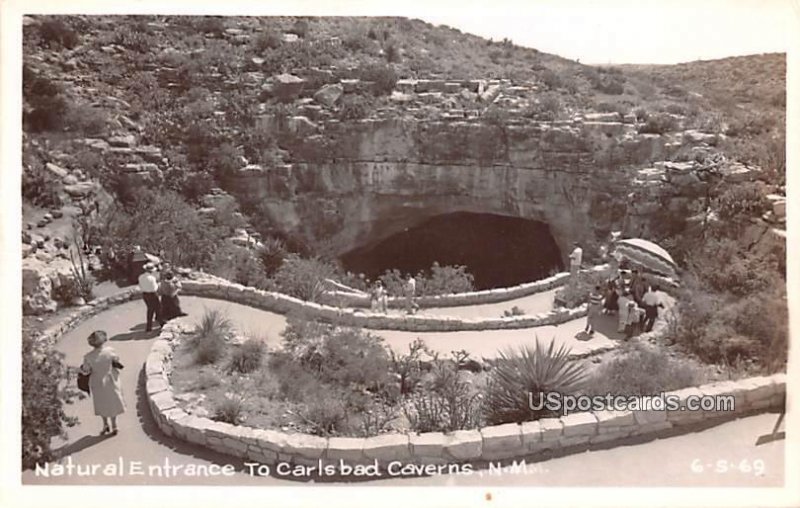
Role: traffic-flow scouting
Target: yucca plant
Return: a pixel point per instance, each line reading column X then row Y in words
column 518, row 373
column 214, row 322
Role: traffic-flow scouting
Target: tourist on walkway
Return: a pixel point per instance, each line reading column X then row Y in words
column 631, row 319
column 611, row 301
column 102, row 365
column 170, row 303
column 623, row 304
column 380, row 297
column 595, row 309
column 411, row 295
column 575, row 260
column 638, row 286
column 652, row 301
column 149, row 287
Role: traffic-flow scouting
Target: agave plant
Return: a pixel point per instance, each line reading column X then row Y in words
column 520, row 372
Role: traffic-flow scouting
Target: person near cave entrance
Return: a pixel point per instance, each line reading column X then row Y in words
column 411, row 295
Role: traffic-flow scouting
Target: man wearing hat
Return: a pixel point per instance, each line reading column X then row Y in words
column 149, row 287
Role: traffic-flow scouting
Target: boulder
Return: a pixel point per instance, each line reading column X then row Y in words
column 302, row 126
column 70, row 180
column 287, row 86
column 287, row 37
column 122, row 141
column 40, row 275
column 329, row 94
column 80, row 190
column 58, row 171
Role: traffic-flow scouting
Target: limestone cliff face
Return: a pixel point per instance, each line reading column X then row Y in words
column 363, row 181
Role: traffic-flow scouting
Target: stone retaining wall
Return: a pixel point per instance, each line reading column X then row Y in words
column 345, row 299
column 284, row 304
column 529, row 440
column 348, row 299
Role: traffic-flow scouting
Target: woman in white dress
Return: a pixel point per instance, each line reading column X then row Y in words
column 102, row 364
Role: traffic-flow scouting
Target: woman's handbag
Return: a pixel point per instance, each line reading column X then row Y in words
column 117, row 365
column 83, row 382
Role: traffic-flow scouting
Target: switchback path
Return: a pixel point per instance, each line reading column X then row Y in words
column 140, row 440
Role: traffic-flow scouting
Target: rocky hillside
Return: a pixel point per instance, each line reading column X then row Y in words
column 342, row 130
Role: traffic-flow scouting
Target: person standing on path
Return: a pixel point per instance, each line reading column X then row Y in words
column 149, row 287
column 652, row 301
column 411, row 295
column 102, row 365
column 170, row 303
column 575, row 260
column 595, row 309
column 638, row 286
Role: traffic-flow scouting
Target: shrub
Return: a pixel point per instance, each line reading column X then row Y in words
column 44, row 393
column 354, row 107
column 523, row 376
column 449, row 402
column 742, row 202
column 550, row 79
column 248, row 356
column 229, row 408
column 39, row 188
column 54, row 32
column 346, row 357
column 325, row 411
column 47, row 104
column 408, row 368
column 238, row 264
column 208, row 349
column 383, row 76
column 658, row 124
column 267, row 40
column 303, row 278
column 299, row 28
column 642, row 371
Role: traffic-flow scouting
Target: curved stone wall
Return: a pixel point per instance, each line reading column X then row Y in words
column 571, row 433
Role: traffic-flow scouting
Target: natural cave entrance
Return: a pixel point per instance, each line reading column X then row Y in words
column 499, row 251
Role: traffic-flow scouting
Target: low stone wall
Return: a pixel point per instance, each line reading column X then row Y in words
column 529, row 440
column 283, row 304
column 347, row 299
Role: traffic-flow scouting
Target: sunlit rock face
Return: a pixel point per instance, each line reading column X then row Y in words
column 353, row 184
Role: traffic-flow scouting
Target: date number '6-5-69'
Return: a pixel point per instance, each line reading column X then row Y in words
column 755, row 467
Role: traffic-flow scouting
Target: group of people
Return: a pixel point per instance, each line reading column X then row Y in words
column 634, row 301
column 379, row 297
column 160, row 296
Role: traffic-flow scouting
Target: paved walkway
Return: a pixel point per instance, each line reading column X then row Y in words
column 139, row 439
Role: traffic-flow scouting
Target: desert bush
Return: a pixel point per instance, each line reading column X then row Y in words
column 162, row 221
column 519, row 377
column 40, row 188
column 211, row 25
column 741, row 203
column 353, row 107
column 267, row 40
column 229, row 409
column 66, row 293
column 44, row 393
column 658, row 124
column 299, row 28
column 208, row 349
column 550, row 79
column 54, row 33
column 642, row 370
column 248, row 356
column 346, row 357
column 46, row 104
column 303, row 278
column 383, row 77
column 325, row 411
column 81, row 278
column 85, row 120
column 439, row 280
column 238, row 264
column 391, row 52
column 447, row 402
column 408, row 368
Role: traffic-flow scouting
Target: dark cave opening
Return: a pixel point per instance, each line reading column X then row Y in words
column 499, row 251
